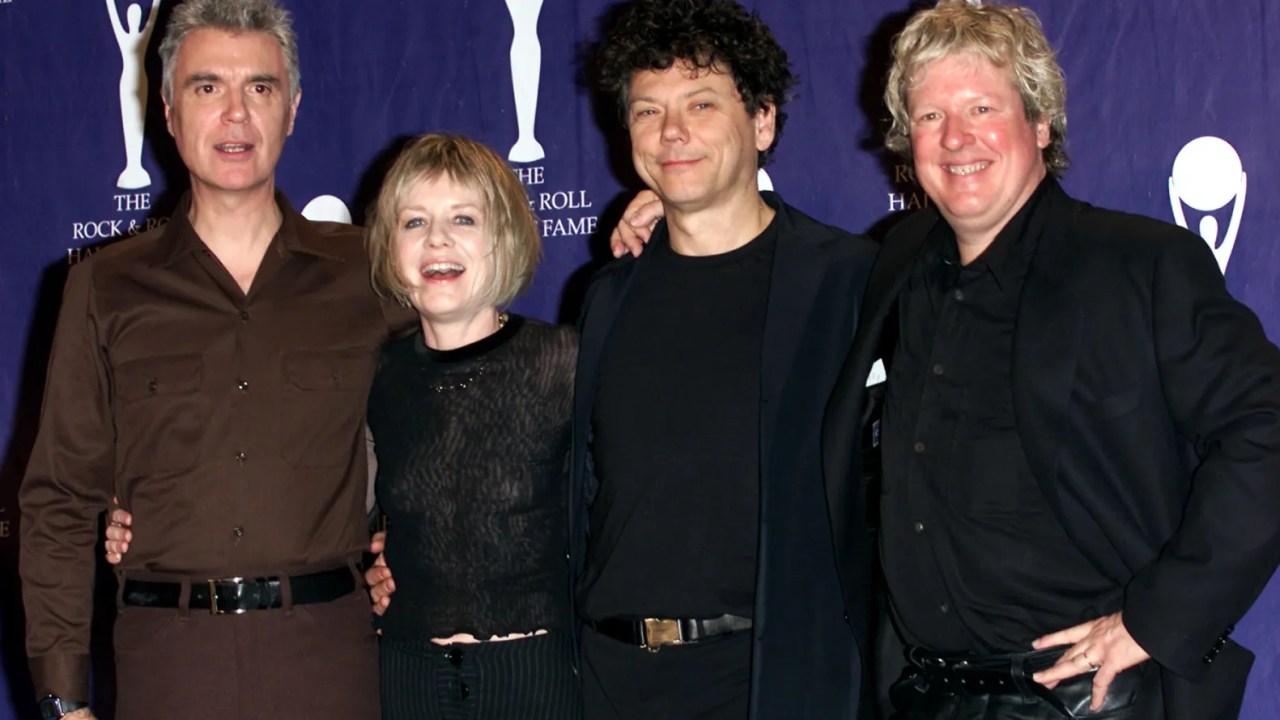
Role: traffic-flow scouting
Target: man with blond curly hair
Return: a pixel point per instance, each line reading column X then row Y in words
column 1081, row 428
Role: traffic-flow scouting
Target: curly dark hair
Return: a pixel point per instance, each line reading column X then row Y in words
column 716, row 35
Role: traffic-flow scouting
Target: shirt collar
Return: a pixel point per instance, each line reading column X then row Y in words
column 1005, row 257
column 296, row 234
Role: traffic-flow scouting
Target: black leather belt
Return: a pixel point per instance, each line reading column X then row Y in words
column 653, row 634
column 240, row 595
column 1009, row 674
column 965, row 674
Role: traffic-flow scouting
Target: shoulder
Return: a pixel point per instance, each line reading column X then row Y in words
column 333, row 238
column 554, row 348
column 1136, row 232
column 561, row 339
column 1141, row 246
column 122, row 258
column 398, row 350
column 142, row 247
column 840, row 243
column 615, row 271
column 607, row 282
column 911, row 226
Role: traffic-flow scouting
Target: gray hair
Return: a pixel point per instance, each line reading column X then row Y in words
column 234, row 16
column 1009, row 37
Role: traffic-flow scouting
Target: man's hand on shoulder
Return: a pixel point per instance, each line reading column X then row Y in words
column 1104, row 645
column 633, row 230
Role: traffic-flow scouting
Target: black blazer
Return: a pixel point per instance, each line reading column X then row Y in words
column 1148, row 403
column 805, row 662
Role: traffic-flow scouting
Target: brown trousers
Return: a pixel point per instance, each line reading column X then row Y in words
column 299, row 663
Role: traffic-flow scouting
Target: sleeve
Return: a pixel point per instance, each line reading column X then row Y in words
column 399, row 319
column 68, row 482
column 1221, row 380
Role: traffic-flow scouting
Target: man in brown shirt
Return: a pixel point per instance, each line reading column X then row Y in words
column 213, row 374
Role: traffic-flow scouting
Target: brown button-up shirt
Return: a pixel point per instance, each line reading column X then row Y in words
column 230, row 425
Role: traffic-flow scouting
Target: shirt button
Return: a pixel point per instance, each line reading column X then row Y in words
column 918, row 527
column 241, row 457
column 152, row 385
column 237, row 531
column 243, row 386
column 958, row 295
column 938, row 369
column 918, row 447
column 244, row 315
column 944, row 608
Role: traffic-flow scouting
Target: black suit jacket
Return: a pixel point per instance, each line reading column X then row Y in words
column 1148, row 404
column 805, row 662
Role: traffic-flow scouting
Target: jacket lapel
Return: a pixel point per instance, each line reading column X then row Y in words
column 794, row 282
column 846, row 411
column 1046, row 342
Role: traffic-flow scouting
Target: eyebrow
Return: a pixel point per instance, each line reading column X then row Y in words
column 456, row 206
column 201, row 78
column 706, row 89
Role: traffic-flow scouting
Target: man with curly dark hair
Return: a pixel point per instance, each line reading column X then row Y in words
column 707, row 575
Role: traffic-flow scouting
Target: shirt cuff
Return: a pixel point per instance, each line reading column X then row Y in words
column 65, row 675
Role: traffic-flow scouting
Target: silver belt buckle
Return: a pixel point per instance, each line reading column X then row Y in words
column 213, row 593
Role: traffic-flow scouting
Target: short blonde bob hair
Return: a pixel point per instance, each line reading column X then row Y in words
column 510, row 225
column 1009, row 37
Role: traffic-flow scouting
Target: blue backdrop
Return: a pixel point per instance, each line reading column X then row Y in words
column 1171, row 109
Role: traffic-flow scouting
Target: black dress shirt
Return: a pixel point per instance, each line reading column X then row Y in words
column 974, row 557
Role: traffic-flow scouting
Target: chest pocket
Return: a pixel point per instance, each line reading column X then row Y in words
column 324, row 397
column 160, row 414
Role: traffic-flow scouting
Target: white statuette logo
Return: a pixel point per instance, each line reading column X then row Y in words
column 132, row 39
column 763, row 181
column 1207, row 175
column 526, row 70
column 327, row 208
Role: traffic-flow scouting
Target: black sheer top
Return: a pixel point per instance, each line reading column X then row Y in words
column 473, row 447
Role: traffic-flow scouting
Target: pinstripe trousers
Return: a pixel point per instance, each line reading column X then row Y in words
column 527, row 679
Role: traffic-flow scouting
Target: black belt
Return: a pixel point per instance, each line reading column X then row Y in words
column 653, row 634
column 1009, row 674
column 240, row 595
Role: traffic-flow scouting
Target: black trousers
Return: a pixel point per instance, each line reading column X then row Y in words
column 527, row 679
column 706, row 681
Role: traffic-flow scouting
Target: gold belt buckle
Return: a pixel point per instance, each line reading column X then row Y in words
column 213, row 598
column 659, row 632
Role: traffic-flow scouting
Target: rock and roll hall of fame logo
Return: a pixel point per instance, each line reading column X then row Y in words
column 1208, row 176
column 526, row 71
column 132, row 36
column 130, row 202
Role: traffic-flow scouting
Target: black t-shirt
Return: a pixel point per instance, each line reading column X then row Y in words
column 676, row 428
column 472, row 448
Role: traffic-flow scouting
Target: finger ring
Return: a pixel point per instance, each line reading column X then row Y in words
column 1093, row 666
